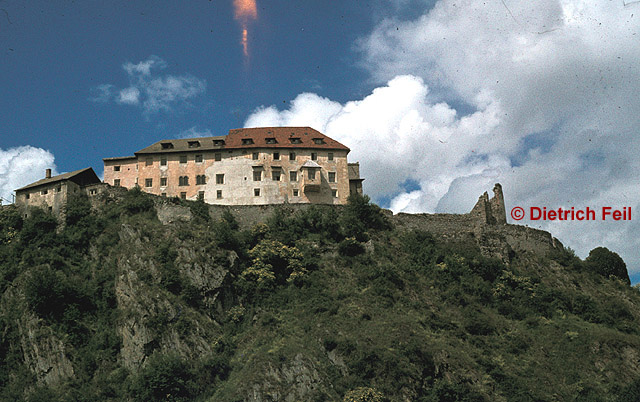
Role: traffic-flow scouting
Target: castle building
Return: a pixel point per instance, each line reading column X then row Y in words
column 249, row 166
column 51, row 192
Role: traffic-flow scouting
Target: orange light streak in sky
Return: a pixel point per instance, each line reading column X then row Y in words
column 245, row 11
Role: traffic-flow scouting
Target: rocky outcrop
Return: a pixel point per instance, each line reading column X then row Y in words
column 44, row 354
column 153, row 318
column 291, row 382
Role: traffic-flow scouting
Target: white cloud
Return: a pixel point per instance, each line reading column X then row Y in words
column 21, row 166
column 194, row 132
column 150, row 91
column 130, row 96
column 552, row 88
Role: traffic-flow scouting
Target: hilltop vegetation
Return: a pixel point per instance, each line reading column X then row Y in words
column 324, row 304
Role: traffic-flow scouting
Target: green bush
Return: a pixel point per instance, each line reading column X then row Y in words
column 360, row 215
column 200, row 211
column 350, row 247
column 607, row 263
column 165, row 377
column 363, row 394
column 135, row 201
column 274, row 263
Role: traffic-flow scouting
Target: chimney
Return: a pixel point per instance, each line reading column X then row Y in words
column 48, row 174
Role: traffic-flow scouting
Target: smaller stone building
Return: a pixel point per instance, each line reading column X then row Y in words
column 51, row 193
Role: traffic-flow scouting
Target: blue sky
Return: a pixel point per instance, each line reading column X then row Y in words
column 438, row 100
column 55, row 53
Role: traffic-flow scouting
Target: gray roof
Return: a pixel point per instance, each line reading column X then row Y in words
column 91, row 176
column 182, row 145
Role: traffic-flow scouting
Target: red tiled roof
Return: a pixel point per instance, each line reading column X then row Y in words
column 261, row 137
column 283, row 138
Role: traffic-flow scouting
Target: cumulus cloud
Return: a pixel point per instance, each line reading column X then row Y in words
column 538, row 96
column 21, row 166
column 149, row 90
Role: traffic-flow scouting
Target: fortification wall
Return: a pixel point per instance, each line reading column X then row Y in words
column 484, row 226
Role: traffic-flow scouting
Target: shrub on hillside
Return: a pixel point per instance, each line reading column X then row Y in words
column 350, row 247
column 274, row 263
column 607, row 263
column 135, row 201
column 359, row 215
column 363, row 394
column 164, row 378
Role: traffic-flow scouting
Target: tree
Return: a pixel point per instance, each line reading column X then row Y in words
column 607, row 263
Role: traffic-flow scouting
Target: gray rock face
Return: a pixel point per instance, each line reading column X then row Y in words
column 43, row 352
column 299, row 378
column 152, row 317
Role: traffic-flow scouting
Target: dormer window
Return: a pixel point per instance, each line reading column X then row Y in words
column 194, row 144
column 247, row 141
column 271, row 140
column 166, row 145
column 318, row 141
column 218, row 143
column 295, row 140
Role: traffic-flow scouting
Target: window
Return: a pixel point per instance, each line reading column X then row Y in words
column 44, row 192
column 292, row 156
column 50, row 209
column 194, row 144
column 27, row 196
column 293, row 176
column 255, row 156
column 116, row 182
column 116, row 168
column 148, row 182
column 218, row 156
column 93, row 191
column 247, row 141
column 164, row 194
column 256, row 192
column 257, row 175
column 200, row 195
column 163, row 181
column 218, row 143
column 148, row 161
column 201, row 179
column 183, row 195
column 275, row 175
column 276, row 156
column 199, row 158
column 166, row 145
column 318, row 141
column 219, row 194
column 163, row 161
column 312, row 174
column 334, row 193
column 271, row 140
column 330, row 156
column 332, row 177
column 183, row 158
column 220, row 178
column 314, row 156
column 295, row 192
column 59, row 188
column 183, row 181
column 295, row 140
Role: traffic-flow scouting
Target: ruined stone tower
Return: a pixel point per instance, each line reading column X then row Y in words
column 492, row 210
